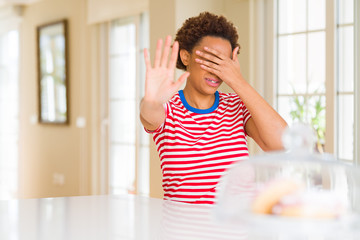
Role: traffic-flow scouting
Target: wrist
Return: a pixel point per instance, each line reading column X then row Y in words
column 240, row 84
column 150, row 101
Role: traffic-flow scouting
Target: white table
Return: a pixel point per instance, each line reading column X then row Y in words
column 116, row 217
column 106, row 217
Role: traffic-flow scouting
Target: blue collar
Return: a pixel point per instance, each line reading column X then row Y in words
column 196, row 110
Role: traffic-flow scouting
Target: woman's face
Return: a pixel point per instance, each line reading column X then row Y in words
column 200, row 80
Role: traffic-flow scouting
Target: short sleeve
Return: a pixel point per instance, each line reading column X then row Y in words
column 246, row 115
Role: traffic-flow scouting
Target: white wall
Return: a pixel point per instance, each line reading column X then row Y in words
column 71, row 151
column 105, row 10
column 46, row 150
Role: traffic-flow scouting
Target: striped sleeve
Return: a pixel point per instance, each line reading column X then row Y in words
column 246, row 114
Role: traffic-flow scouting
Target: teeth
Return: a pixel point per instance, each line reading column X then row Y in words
column 213, row 81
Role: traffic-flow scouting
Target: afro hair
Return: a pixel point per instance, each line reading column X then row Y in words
column 205, row 24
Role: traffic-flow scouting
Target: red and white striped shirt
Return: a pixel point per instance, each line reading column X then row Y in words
column 196, row 146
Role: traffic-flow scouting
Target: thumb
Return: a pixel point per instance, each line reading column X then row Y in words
column 182, row 79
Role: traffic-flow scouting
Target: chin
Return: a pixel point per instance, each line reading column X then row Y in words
column 210, row 90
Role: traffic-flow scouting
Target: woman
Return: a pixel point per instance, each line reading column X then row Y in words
column 200, row 132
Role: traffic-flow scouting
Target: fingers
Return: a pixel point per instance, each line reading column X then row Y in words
column 215, row 53
column 208, row 57
column 161, row 57
column 211, row 70
column 158, row 53
column 174, row 55
column 208, row 63
column 165, row 54
column 181, row 79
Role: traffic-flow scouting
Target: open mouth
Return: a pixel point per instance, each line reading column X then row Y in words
column 212, row 81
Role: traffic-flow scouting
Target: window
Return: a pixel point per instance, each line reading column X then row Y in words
column 308, row 89
column 128, row 143
column 345, row 80
column 301, row 63
column 9, row 119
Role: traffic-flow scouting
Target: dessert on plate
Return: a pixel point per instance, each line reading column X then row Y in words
column 288, row 197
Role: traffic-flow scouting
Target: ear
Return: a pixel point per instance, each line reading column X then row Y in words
column 235, row 54
column 185, row 57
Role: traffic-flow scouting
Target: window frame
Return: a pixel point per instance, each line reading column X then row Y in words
column 357, row 82
column 102, row 183
column 271, row 49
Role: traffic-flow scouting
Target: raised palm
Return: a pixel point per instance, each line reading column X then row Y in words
column 159, row 84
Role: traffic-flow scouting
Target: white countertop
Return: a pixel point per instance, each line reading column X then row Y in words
column 106, row 217
column 116, row 217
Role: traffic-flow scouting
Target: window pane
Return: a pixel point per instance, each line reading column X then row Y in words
column 144, row 136
column 122, row 169
column 122, row 121
column 292, row 64
column 123, row 38
column 144, row 43
column 316, row 62
column 309, row 110
column 346, row 127
column 9, row 121
column 123, row 76
column 346, row 11
column 346, row 59
column 142, row 74
column 143, row 171
column 126, row 67
column 292, row 16
column 316, row 14
column 284, row 108
column 316, row 117
column 8, row 167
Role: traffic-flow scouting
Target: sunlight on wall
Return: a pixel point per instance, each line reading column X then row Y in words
column 9, row 51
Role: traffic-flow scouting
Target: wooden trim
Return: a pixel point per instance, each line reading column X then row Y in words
column 330, row 74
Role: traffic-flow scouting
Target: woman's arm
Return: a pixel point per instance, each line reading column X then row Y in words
column 266, row 125
column 159, row 84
